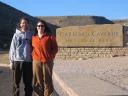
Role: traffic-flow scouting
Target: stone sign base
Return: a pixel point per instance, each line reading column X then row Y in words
column 85, row 53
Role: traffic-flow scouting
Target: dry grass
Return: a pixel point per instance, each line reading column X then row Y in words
column 4, row 57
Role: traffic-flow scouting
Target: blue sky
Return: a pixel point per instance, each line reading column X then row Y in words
column 111, row 9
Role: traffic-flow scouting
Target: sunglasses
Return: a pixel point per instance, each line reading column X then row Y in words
column 40, row 25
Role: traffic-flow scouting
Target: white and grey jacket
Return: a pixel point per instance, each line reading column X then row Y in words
column 21, row 48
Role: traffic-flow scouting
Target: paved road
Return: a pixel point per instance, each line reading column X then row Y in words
column 6, row 85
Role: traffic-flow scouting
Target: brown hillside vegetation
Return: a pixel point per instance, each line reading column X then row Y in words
column 123, row 22
column 63, row 21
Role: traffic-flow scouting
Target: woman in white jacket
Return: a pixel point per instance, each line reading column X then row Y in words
column 20, row 57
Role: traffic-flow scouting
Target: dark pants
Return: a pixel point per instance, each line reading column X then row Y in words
column 42, row 78
column 22, row 69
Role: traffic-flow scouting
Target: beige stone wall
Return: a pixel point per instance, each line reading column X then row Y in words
column 85, row 53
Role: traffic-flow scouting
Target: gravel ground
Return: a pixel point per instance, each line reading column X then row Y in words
column 113, row 70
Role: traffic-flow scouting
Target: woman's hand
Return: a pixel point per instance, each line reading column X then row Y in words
column 11, row 66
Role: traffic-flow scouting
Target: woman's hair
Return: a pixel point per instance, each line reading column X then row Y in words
column 46, row 30
column 22, row 18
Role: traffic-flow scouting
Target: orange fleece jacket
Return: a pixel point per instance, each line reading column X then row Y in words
column 44, row 48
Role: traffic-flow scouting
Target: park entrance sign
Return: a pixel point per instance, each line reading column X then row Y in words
column 105, row 35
